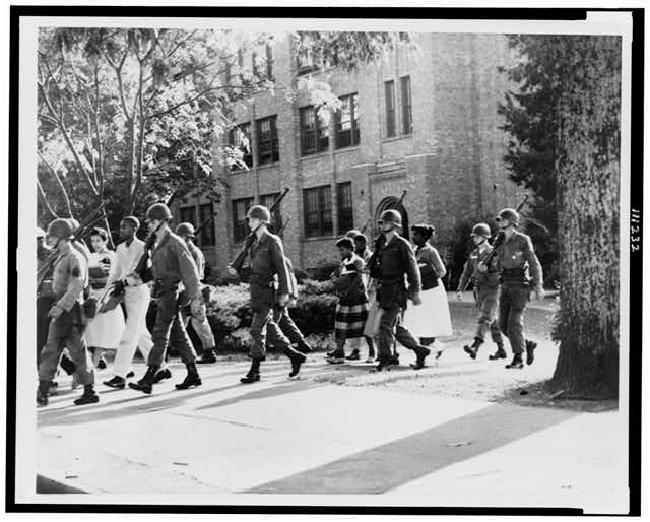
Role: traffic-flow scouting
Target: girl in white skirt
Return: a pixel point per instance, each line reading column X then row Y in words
column 105, row 330
column 431, row 319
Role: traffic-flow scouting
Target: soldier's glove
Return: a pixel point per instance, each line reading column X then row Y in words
column 459, row 295
column 55, row 311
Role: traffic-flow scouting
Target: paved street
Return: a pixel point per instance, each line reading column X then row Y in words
column 441, row 436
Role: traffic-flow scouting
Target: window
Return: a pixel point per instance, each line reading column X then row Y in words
column 347, row 121
column 262, row 60
column 407, row 121
column 314, row 131
column 305, row 58
column 276, row 219
column 207, row 233
column 188, row 215
column 267, row 141
column 389, row 92
column 240, row 138
column 344, row 206
column 269, row 62
column 239, row 209
column 318, row 211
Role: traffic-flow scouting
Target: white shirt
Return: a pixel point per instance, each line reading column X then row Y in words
column 127, row 260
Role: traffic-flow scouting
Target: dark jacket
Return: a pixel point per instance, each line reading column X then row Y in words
column 517, row 260
column 396, row 259
column 266, row 261
column 489, row 279
column 172, row 262
column 348, row 282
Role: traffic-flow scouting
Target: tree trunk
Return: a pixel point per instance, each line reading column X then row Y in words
column 589, row 191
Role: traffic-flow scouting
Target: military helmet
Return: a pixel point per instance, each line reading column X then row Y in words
column 259, row 212
column 40, row 233
column 159, row 211
column 510, row 215
column 391, row 216
column 185, row 229
column 60, row 228
column 481, row 229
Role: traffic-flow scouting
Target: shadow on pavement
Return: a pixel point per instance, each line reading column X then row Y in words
column 49, row 486
column 380, row 469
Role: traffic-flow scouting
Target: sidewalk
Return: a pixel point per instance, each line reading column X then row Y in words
column 228, row 443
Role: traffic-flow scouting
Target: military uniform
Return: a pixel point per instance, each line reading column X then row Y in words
column 486, row 293
column 519, row 270
column 395, row 259
column 68, row 282
column 267, row 260
column 282, row 318
column 171, row 265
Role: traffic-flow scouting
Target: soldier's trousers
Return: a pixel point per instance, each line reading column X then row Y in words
column 487, row 300
column 201, row 326
column 512, row 306
column 288, row 327
column 66, row 331
column 43, row 305
column 169, row 326
column 263, row 326
column 391, row 328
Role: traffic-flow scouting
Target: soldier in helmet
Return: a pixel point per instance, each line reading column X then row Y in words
column 486, row 291
column 266, row 261
column 392, row 259
column 68, row 321
column 171, row 265
column 199, row 319
column 519, row 271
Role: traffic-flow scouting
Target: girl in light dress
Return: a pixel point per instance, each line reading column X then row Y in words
column 104, row 331
column 431, row 319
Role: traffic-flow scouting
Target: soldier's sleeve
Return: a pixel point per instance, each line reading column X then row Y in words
column 279, row 266
column 412, row 270
column 76, row 283
column 468, row 269
column 189, row 272
column 534, row 268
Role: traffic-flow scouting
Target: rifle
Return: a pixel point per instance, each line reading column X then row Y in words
column 203, row 225
column 92, row 218
column 284, row 225
column 235, row 267
column 498, row 241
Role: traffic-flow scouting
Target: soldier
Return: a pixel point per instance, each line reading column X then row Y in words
column 267, row 260
column 136, row 301
column 393, row 258
column 171, row 265
column 199, row 319
column 486, row 291
column 68, row 321
column 519, row 270
column 352, row 308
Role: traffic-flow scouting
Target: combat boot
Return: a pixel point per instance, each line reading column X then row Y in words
column 499, row 354
column 253, row 374
column 144, row 384
column 421, row 354
column 192, row 378
column 530, row 349
column 385, row 364
column 89, row 396
column 296, row 362
column 304, row 347
column 473, row 350
column 41, row 398
column 516, row 364
column 162, row 375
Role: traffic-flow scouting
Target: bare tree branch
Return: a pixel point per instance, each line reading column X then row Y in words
column 44, row 198
column 59, row 182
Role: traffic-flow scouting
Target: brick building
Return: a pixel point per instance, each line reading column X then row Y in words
column 423, row 121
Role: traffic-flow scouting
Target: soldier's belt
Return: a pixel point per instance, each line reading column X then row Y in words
column 513, row 275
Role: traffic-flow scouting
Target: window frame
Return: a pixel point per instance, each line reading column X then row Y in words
column 183, row 211
column 276, row 218
column 323, row 212
column 208, row 236
column 248, row 156
column 274, row 151
column 391, row 130
column 353, row 134
column 321, row 143
column 406, row 105
column 348, row 211
column 240, row 227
